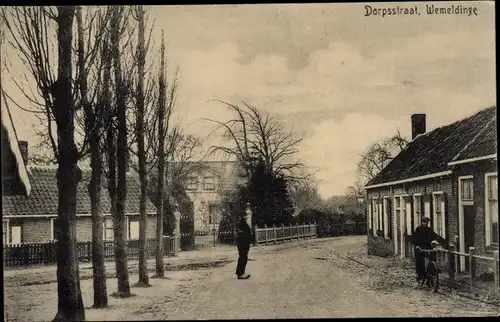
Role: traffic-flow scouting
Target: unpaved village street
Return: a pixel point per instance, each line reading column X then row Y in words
column 311, row 278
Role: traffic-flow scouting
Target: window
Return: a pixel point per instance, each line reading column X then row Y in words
column 438, row 214
column 417, row 211
column 375, row 216
column 54, row 229
column 381, row 224
column 5, row 224
column 387, row 215
column 208, row 183
column 491, row 209
column 397, row 209
column 406, row 206
column 467, row 189
column 133, row 230
column 192, row 183
column 108, row 229
column 15, row 235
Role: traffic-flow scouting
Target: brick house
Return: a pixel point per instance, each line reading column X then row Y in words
column 449, row 175
column 206, row 185
column 30, row 198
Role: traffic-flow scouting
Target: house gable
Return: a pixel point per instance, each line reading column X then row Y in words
column 9, row 138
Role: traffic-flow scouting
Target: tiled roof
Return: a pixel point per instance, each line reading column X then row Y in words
column 431, row 152
column 483, row 145
column 44, row 197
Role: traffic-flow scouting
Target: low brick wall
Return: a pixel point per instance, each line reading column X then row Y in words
column 380, row 246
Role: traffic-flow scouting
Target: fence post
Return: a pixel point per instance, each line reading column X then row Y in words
column 274, row 233
column 256, row 230
column 472, row 265
column 451, row 262
column 496, row 270
column 265, row 232
column 457, row 257
column 290, row 230
column 283, row 232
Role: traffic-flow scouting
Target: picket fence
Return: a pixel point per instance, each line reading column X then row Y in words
column 29, row 254
column 283, row 233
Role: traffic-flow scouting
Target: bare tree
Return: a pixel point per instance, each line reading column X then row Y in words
column 94, row 128
column 35, row 34
column 121, row 87
column 378, row 156
column 257, row 135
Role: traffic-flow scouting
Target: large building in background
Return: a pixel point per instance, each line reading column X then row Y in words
column 206, row 184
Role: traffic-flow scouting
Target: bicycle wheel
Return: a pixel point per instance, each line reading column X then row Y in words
column 433, row 276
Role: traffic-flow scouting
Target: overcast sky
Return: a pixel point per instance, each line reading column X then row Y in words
column 342, row 79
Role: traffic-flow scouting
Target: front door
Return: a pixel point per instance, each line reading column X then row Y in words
column 469, row 224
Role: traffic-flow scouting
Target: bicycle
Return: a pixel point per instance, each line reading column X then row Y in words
column 431, row 272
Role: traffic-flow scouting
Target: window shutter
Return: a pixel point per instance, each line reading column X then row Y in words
column 370, row 214
column 381, row 214
column 389, row 219
column 408, row 219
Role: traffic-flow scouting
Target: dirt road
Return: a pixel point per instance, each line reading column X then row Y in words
column 306, row 281
column 309, row 278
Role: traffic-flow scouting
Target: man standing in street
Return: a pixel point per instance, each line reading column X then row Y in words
column 243, row 241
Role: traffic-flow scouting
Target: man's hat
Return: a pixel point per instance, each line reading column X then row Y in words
column 426, row 219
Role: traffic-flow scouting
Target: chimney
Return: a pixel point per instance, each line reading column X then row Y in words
column 23, row 146
column 417, row 125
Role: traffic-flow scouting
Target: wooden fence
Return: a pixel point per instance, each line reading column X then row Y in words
column 284, row 233
column 450, row 260
column 28, row 254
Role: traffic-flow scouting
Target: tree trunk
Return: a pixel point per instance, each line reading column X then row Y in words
column 119, row 225
column 160, row 268
column 143, row 221
column 93, row 126
column 98, row 268
column 70, row 304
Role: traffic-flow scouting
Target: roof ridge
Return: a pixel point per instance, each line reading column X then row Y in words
column 457, row 121
column 475, row 137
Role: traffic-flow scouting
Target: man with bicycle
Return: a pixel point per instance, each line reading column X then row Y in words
column 423, row 238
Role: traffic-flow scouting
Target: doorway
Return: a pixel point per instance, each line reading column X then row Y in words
column 469, row 225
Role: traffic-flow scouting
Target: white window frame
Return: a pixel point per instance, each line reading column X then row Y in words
column 417, row 219
column 467, row 201
column 488, row 222
column 7, row 231
column 105, row 237
column 381, row 223
column 52, row 230
column 370, row 214
column 407, row 215
column 20, row 233
column 386, row 216
column 396, row 209
column 375, row 215
column 128, row 227
column 442, row 213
